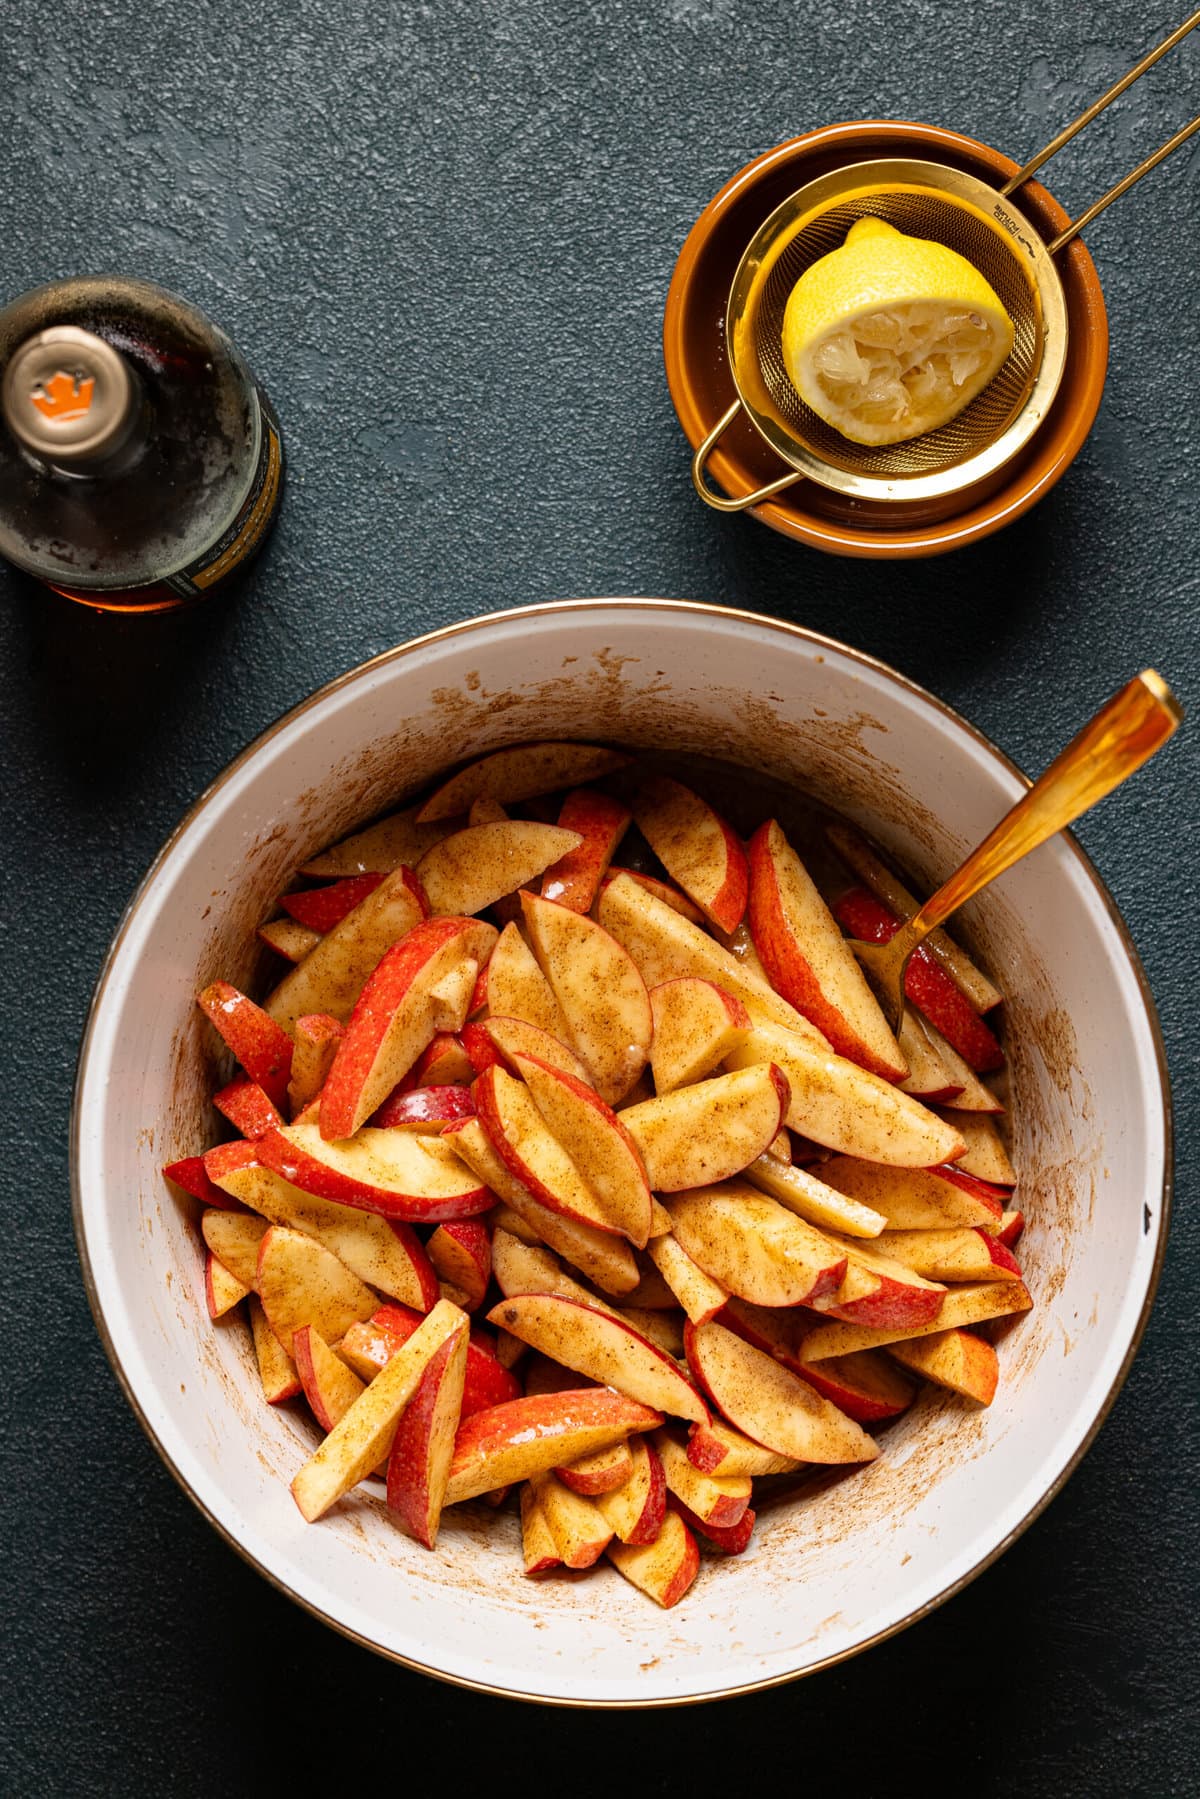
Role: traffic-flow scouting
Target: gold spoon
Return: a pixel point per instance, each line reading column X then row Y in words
column 1124, row 734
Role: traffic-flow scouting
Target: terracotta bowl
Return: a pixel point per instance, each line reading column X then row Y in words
column 702, row 387
column 827, row 1575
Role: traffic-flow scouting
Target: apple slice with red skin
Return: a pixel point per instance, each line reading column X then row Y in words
column 603, row 1258
column 190, row 1174
column 472, row 869
column 394, row 1173
column 234, row 1238
column 717, row 1499
column 499, row 1039
column 510, row 1442
column 926, row 982
column 755, row 1248
column 333, row 974
column 930, row 1077
column 321, row 908
column 664, row 1569
column 396, row 1017
column 845, row 1107
column 780, row 1146
column 601, row 1346
column 522, row 772
column 461, row 1251
column 260, row 1045
column 808, row 960
column 865, row 1386
column 317, row 1038
column 972, row 1096
column 878, row 1290
column 952, row 1255
column 300, row 1282
column 986, row 1157
column 955, row 1359
column 600, row 822
column 699, row 1135
column 730, row 1540
column 700, row 1296
column 530, row 1268
column 577, row 1528
column 661, row 890
column 537, row 1545
column 597, row 1141
column 769, row 1404
column 914, row 1199
column 1012, row 1227
column 973, row 1303
column 445, row 1063
column 364, row 1434
column 329, row 1386
column 418, row 1469
column 276, row 1369
column 600, row 993
column 532, row 1153
column 695, row 846
column 222, row 1290
column 369, row 1347
column 424, row 1110
column 390, row 843
column 696, row 1025
column 601, row 1472
column 738, row 1455
column 636, row 1508
column 383, row 1252
column 811, row 1199
column 517, row 988
column 288, row 939
column 247, row 1108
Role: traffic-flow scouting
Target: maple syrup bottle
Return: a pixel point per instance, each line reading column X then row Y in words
column 141, row 464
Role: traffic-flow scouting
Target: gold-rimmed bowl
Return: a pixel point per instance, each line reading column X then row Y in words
column 832, row 1573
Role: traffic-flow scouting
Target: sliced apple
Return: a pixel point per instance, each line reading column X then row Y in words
column 532, row 1153
column 510, row 1442
column 780, row 1146
column 696, row 1025
column 663, row 1329
column 635, row 1510
column 390, row 843
column 961, row 1306
column 846, row 1107
column 930, row 1077
column 276, row 1369
column 317, row 1035
column 702, row 1134
column 986, row 1157
column 740, row 1456
column 1012, row 1227
column 601, row 1472
column 332, row 975
column 662, row 890
column 812, row 1199
column 425, row 1110
column 878, row 1290
column 486, row 811
column 599, row 990
column 190, row 1174
column 445, row 1063
column 602, row 1346
column 256, row 1039
column 461, row 1251
column 718, row 1499
column 522, row 772
column 537, row 1545
column 664, row 1569
column 234, row 1238
column 369, row 1347
column 364, row 1434
column 517, row 988
column 329, row 1386
column 577, row 1527
column 596, row 1140
column 288, row 939
column 247, row 1108
column 474, row 868
column 865, row 1386
column 600, row 822
column 695, row 846
column 955, row 1359
column 961, row 1085
column 530, row 1268
column 769, row 1404
column 321, row 908
column 222, row 1290
column 755, row 1247
column 300, row 1282
column 952, row 1255
column 499, row 1039
column 418, row 1469
column 912, row 1199
column 700, row 1296
column 394, row 1173
column 729, row 1539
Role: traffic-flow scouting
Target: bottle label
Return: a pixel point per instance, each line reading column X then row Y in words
column 239, row 542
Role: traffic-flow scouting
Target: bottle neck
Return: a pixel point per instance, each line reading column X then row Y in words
column 71, row 401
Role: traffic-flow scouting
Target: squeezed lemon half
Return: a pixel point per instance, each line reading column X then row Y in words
column 891, row 336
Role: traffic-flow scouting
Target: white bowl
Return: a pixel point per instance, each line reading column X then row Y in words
column 836, row 1572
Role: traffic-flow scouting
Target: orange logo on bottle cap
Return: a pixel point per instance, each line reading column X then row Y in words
column 64, row 396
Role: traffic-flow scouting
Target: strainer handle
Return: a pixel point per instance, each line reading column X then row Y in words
column 721, row 502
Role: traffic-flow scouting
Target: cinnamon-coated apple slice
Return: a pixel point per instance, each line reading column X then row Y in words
column 602, row 996
column 517, row 988
column 1012, row 1226
column 445, row 1063
column 730, row 1540
column 847, row 1108
column 537, row 1545
column 601, row 822
column 972, row 1096
column 664, row 1569
column 190, row 1174
column 718, row 1499
column 397, row 1015
column 809, row 961
column 260, row 1044
column 662, row 890
column 955, row 1359
column 383, row 1252
column 425, row 1110
column 367, row 1348
column 769, row 1404
column 914, row 1199
column 461, row 1251
column 755, row 1247
column 865, row 1386
column 706, row 1133
column 577, row 1528
column 969, row 1304
column 418, row 1469
column 809, row 1198
column 963, row 1254
column 522, row 772
column 317, row 1035
column 738, row 1455
column 243, row 1102
column 390, row 843
column 500, row 1039
column 222, row 1290
column 333, row 974
column 601, row 1346
column 700, row 1296
column 394, row 1173
column 329, row 1386
column 532, row 1153
column 636, row 1508
column 321, row 908
column 300, row 1282
column 986, row 1157
column 288, row 939
column 878, row 1290
column 601, row 1472
column 474, row 868
column 276, row 1369
column 524, row 1268
column 604, row 1258
column 696, row 1025
column 364, row 1434
column 234, row 1238
column 930, row 1077
column 511, row 1442
column 597, row 1141
column 695, row 846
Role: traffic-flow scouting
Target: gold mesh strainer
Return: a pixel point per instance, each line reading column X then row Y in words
column 923, row 199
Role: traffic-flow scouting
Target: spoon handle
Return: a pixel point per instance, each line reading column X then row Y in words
column 1124, row 734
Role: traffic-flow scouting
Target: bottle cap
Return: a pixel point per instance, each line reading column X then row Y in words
column 68, row 396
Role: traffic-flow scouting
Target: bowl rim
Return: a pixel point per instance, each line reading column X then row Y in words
column 701, row 610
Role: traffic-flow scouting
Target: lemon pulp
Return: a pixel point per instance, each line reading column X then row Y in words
column 891, row 336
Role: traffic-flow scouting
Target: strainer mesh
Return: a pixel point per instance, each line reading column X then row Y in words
column 920, row 215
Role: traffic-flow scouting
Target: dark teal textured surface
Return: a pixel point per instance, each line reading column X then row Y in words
column 443, row 235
